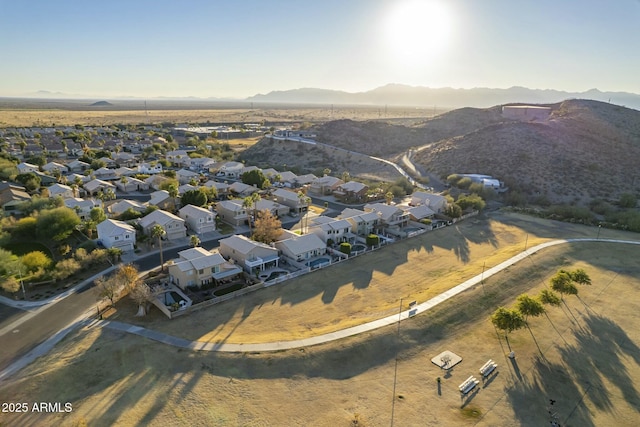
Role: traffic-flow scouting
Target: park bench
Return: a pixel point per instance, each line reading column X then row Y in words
column 488, row 368
column 468, row 384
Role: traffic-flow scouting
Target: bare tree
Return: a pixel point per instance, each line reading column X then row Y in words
column 142, row 295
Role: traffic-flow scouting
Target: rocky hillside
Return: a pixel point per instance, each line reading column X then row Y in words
column 586, row 150
column 306, row 158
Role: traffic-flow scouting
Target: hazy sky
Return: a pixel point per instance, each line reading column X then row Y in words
column 237, row 48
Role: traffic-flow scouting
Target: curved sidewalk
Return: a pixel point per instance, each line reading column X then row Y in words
column 344, row 333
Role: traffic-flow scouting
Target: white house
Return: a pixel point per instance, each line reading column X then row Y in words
column 198, row 220
column 96, row 186
column 173, row 226
column 61, row 190
column 232, row 212
column 362, row 223
column 252, row 256
column 435, row 202
column 131, row 184
column 82, row 206
column 185, row 176
column 178, row 157
column 241, row 189
column 25, row 167
column 78, row 166
column 300, row 248
column 291, row 199
column 121, row 206
column 332, row 230
column 149, row 169
column 161, row 199
column 231, row 170
column 117, row 234
column 388, row 215
column 53, row 167
column 198, row 267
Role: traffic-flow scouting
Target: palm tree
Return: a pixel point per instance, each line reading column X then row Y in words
column 157, row 232
column 173, row 193
column 194, row 240
column 251, row 201
column 304, row 200
column 388, row 197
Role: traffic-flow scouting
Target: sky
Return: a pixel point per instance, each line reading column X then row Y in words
column 239, row 48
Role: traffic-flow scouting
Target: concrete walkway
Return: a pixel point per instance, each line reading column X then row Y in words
column 85, row 320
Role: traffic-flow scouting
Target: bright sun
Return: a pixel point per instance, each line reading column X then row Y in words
column 417, row 30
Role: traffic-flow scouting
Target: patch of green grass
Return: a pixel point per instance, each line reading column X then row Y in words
column 471, row 412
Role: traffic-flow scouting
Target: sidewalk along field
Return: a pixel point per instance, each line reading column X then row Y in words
column 586, row 359
column 362, row 289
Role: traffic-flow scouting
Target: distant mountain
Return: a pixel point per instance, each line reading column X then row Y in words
column 417, row 96
column 101, row 104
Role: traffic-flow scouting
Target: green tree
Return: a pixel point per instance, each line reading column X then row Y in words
column 507, row 320
column 36, row 260
column 157, row 232
column 254, row 178
column 194, row 240
column 345, row 248
column 580, row 277
column 472, row 201
column 453, row 211
column 248, row 202
column 10, row 284
column 528, row 306
column 194, row 197
column 57, row 224
column 563, row 283
column 388, row 197
column 97, row 215
column 548, row 297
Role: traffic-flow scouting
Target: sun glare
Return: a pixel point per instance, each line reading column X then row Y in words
column 417, row 30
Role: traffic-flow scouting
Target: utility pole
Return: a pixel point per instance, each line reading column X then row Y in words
column 395, row 372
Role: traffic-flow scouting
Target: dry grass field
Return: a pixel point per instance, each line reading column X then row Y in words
column 584, row 355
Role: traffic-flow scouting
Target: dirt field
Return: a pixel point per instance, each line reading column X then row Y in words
column 584, row 355
column 11, row 116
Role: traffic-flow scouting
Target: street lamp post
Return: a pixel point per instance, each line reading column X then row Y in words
column 395, row 372
column 599, row 228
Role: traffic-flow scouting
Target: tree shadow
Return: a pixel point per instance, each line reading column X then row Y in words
column 530, row 398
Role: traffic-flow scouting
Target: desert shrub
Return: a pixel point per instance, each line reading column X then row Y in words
column 464, row 183
column 628, row 200
column 373, row 240
column 426, row 221
column 453, row 211
column 345, row 248
column 472, row 201
column 65, row 268
column 453, row 179
column 568, row 212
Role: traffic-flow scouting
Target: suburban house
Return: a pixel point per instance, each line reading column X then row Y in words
column 116, row 234
column 185, row 176
column 252, row 256
column 362, row 223
column 131, row 184
column 300, row 248
column 303, row 180
column 331, row 230
column 231, row 170
column 122, row 158
column 290, row 199
column 232, row 212
column 241, row 189
column 178, row 157
column 351, row 192
column 105, row 174
column 186, row 187
column 198, row 267
column 155, row 181
column 11, row 196
column 198, row 220
column 78, row 166
column 173, row 225
column 27, row 167
column 388, row 215
column 221, row 188
column 96, row 186
column 82, row 206
column 418, row 213
column 324, row 185
column 276, row 209
column 435, row 202
column 203, row 164
column 125, row 171
column 54, row 167
column 288, row 179
column 108, row 162
column 162, row 199
column 121, row 206
column 149, row 169
column 61, row 190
